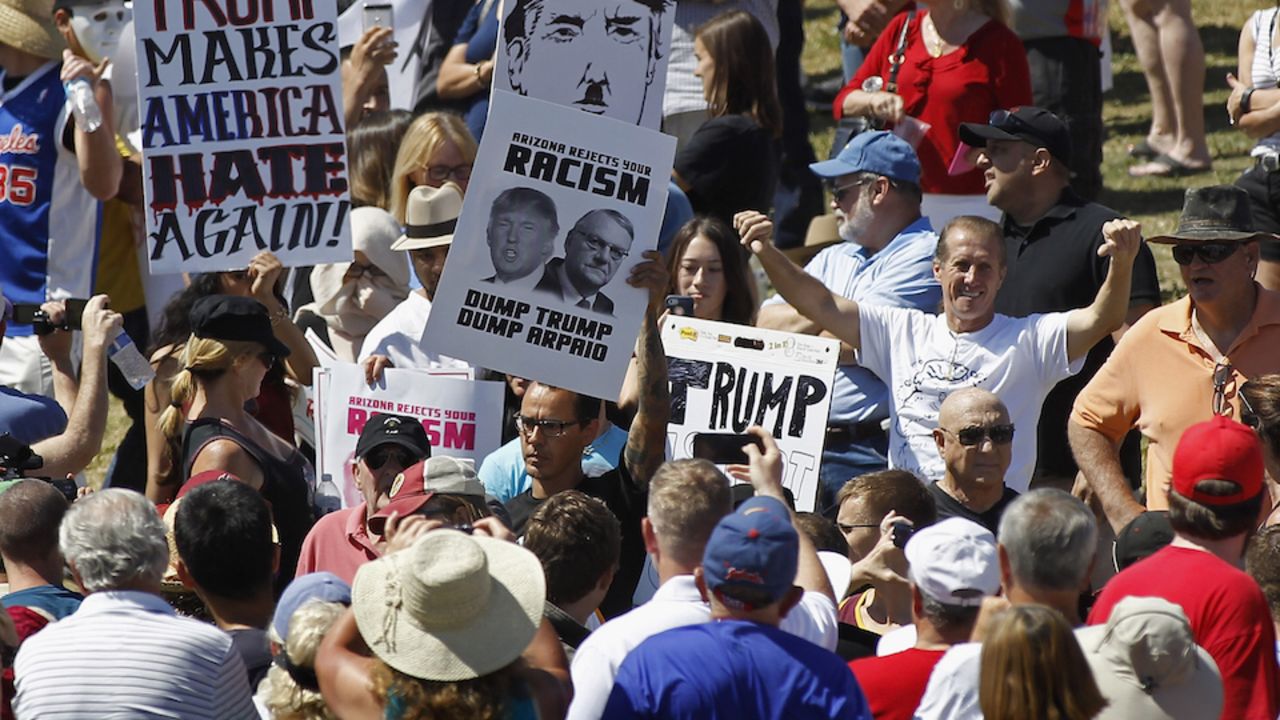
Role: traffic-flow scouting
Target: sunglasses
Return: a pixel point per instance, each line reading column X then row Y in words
column 838, row 193
column 268, row 359
column 973, row 436
column 380, row 455
column 1209, row 253
column 1221, row 376
column 1247, row 414
column 1008, row 122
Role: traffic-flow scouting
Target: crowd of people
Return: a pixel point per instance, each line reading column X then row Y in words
column 1045, row 492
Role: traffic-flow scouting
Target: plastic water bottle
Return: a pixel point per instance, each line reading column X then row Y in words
column 135, row 368
column 84, row 105
column 327, row 498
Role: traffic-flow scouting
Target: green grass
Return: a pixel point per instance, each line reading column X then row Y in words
column 1155, row 202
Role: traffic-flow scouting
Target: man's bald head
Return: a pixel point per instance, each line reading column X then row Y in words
column 963, row 402
column 974, row 438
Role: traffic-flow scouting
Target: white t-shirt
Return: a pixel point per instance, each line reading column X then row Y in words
column 922, row 361
column 399, row 336
column 952, row 693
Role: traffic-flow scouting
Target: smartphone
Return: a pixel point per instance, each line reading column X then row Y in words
column 378, row 15
column 902, row 532
column 724, row 448
column 680, row 305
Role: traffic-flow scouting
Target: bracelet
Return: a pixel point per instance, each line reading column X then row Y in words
column 279, row 316
column 478, row 71
column 1246, row 100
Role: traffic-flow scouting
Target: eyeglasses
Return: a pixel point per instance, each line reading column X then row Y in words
column 268, row 359
column 1209, row 253
column 379, row 456
column 596, row 244
column 440, row 173
column 551, row 428
column 1248, row 415
column 1221, row 376
column 973, row 436
column 850, row 528
column 838, row 193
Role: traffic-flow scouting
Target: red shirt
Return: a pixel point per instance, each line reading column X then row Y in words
column 894, row 684
column 1229, row 617
column 988, row 73
column 338, row 543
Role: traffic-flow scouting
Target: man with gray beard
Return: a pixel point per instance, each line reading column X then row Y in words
column 886, row 259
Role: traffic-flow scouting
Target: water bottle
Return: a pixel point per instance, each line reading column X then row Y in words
column 84, row 105
column 327, row 498
column 135, row 368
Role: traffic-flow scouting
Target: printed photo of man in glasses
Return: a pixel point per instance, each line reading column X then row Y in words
column 593, row 251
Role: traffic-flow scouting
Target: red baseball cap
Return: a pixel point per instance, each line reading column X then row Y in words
column 1220, row 449
column 414, row 487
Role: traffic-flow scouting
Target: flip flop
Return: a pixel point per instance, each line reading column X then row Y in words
column 1142, row 150
column 1172, row 168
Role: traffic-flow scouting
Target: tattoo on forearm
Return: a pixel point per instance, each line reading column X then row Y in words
column 647, row 439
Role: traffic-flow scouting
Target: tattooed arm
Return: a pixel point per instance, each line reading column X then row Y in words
column 647, row 439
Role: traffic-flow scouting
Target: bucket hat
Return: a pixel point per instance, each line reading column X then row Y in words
column 1217, row 213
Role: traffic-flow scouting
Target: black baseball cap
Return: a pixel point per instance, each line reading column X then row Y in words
column 399, row 430
column 1143, row 536
column 231, row 317
column 1033, row 125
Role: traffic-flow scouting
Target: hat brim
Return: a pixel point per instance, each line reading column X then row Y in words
column 25, row 33
column 494, row 638
column 277, row 348
column 1126, row 696
column 1211, row 236
column 832, row 168
column 407, row 243
column 405, row 505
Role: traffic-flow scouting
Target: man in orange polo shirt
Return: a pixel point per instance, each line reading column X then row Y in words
column 1184, row 362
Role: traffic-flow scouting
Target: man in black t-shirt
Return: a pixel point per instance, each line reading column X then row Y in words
column 556, row 425
column 975, row 440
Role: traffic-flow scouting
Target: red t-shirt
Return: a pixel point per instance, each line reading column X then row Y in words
column 1229, row 617
column 894, row 684
column 989, row 73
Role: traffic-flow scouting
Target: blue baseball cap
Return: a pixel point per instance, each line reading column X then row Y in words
column 753, row 548
column 880, row 152
column 322, row 586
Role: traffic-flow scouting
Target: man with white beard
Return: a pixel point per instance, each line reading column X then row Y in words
column 886, row 259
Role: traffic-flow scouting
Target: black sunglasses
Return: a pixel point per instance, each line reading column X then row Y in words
column 1247, row 414
column 379, row 456
column 972, row 436
column 1209, row 253
column 1008, row 122
column 268, row 359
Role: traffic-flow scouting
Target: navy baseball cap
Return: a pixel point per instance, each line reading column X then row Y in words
column 1035, row 126
column 880, row 152
column 754, row 548
column 321, row 586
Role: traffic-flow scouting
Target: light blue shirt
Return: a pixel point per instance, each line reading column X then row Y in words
column 900, row 275
column 502, row 472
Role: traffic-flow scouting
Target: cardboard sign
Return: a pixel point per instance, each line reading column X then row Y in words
column 462, row 417
column 559, row 209
column 240, row 104
column 605, row 57
column 726, row 378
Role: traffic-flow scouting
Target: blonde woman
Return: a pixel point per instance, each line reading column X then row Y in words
column 290, row 691
column 436, row 149
column 1032, row 667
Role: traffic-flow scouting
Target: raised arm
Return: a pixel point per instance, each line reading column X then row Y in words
column 264, row 269
column 1086, row 326
column 833, row 313
column 96, row 154
column 647, row 439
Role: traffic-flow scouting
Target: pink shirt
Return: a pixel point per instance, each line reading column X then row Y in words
column 339, row 543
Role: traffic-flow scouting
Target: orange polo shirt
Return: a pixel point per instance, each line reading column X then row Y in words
column 1159, row 379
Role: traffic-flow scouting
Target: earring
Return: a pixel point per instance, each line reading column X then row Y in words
column 958, row 4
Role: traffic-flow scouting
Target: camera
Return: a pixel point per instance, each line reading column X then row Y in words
column 17, row 459
column 38, row 319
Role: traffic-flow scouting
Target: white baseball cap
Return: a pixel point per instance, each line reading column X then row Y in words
column 954, row 562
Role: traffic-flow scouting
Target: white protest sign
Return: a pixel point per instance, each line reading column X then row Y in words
column 243, row 146
column 605, row 57
column 725, row 378
column 462, row 417
column 559, row 209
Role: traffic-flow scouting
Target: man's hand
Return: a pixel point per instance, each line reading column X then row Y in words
column 375, row 50
column 373, row 367
column 1121, row 239
column 56, row 345
column 763, row 469
column 652, row 275
column 100, row 324
column 886, row 106
column 755, row 229
column 264, row 269
column 75, row 67
column 886, row 562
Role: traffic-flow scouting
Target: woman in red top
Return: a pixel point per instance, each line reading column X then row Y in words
column 961, row 63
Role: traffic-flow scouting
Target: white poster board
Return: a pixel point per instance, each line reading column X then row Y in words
column 725, row 378
column 559, row 209
column 462, row 417
column 242, row 133
column 605, row 57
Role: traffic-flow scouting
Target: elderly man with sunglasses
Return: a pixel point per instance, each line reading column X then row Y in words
column 1185, row 362
column 975, row 439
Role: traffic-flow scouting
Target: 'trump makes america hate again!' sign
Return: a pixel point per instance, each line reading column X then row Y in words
column 242, row 130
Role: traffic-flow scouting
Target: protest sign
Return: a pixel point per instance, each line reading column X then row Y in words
column 726, row 378
column 559, row 209
column 606, row 57
column 462, row 417
column 242, row 133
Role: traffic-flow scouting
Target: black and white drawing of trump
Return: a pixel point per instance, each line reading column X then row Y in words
column 593, row 251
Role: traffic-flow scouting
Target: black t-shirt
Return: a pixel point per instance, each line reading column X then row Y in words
column 730, row 164
column 949, row 507
column 251, row 644
column 1054, row 267
column 628, row 502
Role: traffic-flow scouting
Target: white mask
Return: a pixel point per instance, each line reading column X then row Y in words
column 98, row 27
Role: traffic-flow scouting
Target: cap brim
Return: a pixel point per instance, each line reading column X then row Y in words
column 404, row 506
column 277, row 348
column 977, row 135
column 832, row 168
column 408, row 243
column 1212, row 236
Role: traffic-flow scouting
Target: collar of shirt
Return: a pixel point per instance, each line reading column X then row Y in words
column 680, row 588
column 1067, row 205
column 570, row 292
column 357, row 529
column 105, row 601
column 1177, row 322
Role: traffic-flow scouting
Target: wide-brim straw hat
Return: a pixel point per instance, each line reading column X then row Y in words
column 451, row 607
column 1218, row 213
column 27, row 25
column 430, row 216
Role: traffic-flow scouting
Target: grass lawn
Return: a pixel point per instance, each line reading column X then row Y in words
column 1153, row 201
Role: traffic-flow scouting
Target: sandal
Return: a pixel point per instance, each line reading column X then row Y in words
column 1142, row 150
column 1163, row 165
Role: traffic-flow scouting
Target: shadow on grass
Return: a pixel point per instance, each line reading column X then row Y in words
column 1145, row 201
column 1131, row 90
column 1217, row 40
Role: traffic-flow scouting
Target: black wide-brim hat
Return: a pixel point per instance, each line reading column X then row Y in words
column 1217, row 213
column 231, row 317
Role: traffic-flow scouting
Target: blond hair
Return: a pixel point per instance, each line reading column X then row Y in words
column 1032, row 667
column 686, row 500
column 424, row 138
column 202, row 359
column 278, row 692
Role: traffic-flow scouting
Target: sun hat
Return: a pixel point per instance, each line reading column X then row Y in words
column 450, row 607
column 1220, row 449
column 431, row 214
column 752, row 548
column 1032, row 125
column 27, row 25
column 954, row 562
column 1147, row 664
column 1142, row 537
column 879, row 151
column 318, row 586
column 401, row 430
column 1217, row 213
column 231, row 317
column 414, row 487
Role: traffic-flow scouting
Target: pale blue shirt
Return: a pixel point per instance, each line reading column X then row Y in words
column 503, row 475
column 900, row 275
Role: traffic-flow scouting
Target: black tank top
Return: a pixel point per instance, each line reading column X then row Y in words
column 284, row 487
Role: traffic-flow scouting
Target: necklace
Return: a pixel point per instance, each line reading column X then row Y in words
column 935, row 43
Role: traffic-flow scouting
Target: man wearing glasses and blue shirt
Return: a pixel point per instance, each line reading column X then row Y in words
column 593, row 251
column 1182, row 363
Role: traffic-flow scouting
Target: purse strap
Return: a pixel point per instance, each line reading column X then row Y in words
column 897, row 58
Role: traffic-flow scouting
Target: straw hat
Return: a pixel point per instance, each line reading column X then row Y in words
column 430, row 217
column 451, row 607
column 27, row 25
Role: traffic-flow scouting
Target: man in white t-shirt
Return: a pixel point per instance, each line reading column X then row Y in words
column 686, row 500
column 922, row 358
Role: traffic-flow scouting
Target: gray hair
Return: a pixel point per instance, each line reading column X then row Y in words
column 115, row 539
column 1050, row 538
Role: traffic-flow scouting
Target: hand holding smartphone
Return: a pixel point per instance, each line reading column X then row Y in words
column 378, row 15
